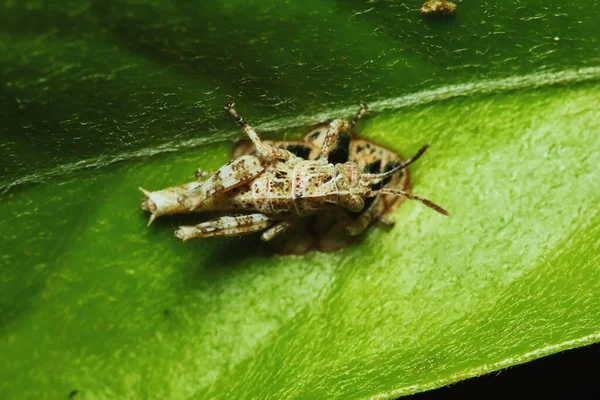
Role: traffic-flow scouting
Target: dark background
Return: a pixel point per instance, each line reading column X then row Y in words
column 572, row 374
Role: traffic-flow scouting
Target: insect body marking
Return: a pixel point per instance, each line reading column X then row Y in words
column 313, row 186
column 280, row 190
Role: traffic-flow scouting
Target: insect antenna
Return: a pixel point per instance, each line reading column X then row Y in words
column 383, row 175
column 361, row 113
column 398, row 192
column 238, row 118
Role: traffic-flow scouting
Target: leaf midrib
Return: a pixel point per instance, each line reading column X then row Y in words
column 417, row 99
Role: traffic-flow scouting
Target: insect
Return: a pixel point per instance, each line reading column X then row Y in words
column 278, row 184
column 321, row 231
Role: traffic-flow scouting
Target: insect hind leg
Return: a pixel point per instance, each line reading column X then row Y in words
column 231, row 175
column 226, row 226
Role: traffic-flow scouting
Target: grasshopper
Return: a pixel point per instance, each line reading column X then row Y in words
column 275, row 188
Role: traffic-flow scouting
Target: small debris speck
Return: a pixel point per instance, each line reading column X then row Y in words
column 438, row 8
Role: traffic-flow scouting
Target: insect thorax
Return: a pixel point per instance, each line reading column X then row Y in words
column 314, row 186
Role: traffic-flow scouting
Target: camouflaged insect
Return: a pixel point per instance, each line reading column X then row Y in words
column 322, row 231
column 329, row 176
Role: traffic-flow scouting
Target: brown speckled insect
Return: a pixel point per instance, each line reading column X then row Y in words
column 322, row 231
column 277, row 186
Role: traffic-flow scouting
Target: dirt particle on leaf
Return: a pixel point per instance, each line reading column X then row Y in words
column 438, row 8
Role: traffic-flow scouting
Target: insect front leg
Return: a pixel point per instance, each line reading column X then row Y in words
column 385, row 220
column 226, row 226
column 231, row 175
column 276, row 230
column 354, row 227
column 264, row 149
column 357, row 226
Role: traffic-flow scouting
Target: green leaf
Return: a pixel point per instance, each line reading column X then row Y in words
column 94, row 301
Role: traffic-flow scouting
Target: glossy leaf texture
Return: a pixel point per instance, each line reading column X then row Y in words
column 98, row 98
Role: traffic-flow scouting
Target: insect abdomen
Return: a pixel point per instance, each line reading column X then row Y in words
column 270, row 193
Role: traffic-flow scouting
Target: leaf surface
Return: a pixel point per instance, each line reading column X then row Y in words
column 92, row 300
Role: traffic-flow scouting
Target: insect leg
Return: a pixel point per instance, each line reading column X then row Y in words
column 226, row 226
column 335, row 128
column 354, row 227
column 385, row 220
column 233, row 174
column 276, row 230
column 264, row 149
column 361, row 113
